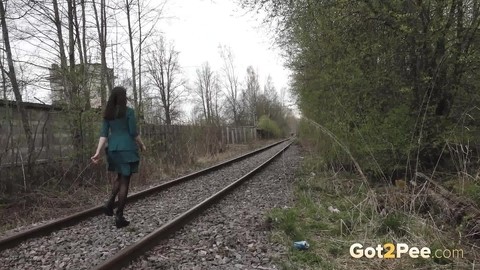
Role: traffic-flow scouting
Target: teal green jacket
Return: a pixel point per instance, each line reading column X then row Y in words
column 121, row 132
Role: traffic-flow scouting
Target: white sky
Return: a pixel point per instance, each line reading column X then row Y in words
column 198, row 27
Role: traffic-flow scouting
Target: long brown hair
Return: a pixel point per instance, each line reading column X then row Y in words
column 116, row 104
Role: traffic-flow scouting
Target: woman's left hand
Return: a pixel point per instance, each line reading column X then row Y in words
column 143, row 147
column 96, row 158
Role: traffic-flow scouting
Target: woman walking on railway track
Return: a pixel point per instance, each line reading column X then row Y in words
column 119, row 131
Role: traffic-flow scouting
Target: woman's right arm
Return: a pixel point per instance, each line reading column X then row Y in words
column 102, row 141
column 140, row 143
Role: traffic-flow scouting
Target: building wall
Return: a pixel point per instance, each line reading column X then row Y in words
column 92, row 84
column 50, row 137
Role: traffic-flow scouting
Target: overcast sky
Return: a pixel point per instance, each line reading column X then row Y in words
column 198, row 27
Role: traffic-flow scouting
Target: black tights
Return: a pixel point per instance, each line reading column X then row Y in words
column 120, row 187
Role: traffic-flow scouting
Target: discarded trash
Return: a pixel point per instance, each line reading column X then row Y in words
column 301, row 245
column 333, row 209
column 312, row 174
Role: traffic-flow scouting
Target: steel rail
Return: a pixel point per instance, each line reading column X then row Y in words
column 126, row 255
column 57, row 224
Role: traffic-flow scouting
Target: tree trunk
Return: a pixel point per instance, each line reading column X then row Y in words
column 76, row 107
column 140, row 90
column 168, row 118
column 132, row 56
column 81, row 72
column 84, row 32
column 104, row 48
column 101, row 30
column 71, row 46
column 61, row 48
column 16, row 89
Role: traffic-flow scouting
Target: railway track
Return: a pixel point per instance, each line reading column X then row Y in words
column 89, row 240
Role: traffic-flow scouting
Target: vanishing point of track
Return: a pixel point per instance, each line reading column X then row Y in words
column 171, row 222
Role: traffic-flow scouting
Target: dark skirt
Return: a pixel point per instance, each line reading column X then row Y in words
column 123, row 162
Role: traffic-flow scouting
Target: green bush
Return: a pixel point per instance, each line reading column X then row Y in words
column 270, row 127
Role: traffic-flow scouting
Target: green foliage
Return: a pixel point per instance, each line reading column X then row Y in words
column 437, row 245
column 287, row 221
column 268, row 105
column 473, row 191
column 393, row 222
column 270, row 127
column 392, row 86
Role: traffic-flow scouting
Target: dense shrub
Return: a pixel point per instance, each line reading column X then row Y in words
column 269, row 127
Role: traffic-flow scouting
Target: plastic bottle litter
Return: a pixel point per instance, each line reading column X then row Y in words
column 301, row 245
column 333, row 209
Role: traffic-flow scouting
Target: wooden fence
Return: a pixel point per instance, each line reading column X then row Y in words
column 238, row 135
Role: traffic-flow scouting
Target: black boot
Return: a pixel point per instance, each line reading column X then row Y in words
column 120, row 220
column 108, row 209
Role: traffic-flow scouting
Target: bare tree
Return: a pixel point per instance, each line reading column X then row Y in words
column 80, row 36
column 270, row 96
column 149, row 17
column 101, row 25
column 5, row 88
column 128, row 7
column 140, row 43
column 142, row 17
column 251, row 93
column 14, row 83
column 164, row 70
column 71, row 84
column 269, row 90
column 61, row 49
column 230, row 83
column 217, row 99
column 207, row 90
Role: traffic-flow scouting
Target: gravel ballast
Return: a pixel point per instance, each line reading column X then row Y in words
column 232, row 234
column 92, row 241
